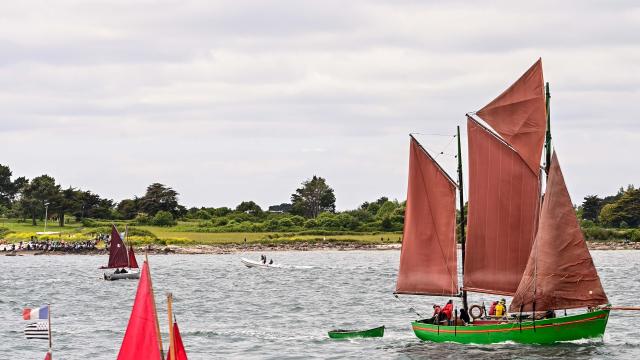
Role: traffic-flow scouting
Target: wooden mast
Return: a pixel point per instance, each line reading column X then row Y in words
column 463, row 219
column 172, row 343
column 547, row 143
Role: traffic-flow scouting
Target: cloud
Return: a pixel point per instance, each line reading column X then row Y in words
column 235, row 100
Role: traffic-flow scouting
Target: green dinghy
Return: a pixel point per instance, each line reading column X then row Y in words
column 344, row 334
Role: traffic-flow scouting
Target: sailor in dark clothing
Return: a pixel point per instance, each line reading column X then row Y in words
column 271, row 262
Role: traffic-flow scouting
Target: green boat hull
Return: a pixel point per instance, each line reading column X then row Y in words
column 548, row 331
column 345, row 334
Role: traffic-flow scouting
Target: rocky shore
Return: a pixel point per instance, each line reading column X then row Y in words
column 296, row 246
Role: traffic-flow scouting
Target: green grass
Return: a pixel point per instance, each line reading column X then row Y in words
column 177, row 236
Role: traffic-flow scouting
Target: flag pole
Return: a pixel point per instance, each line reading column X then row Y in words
column 155, row 313
column 49, row 319
column 172, row 345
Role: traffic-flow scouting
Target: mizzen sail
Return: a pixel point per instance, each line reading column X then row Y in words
column 503, row 211
column 428, row 260
column 133, row 263
column 518, row 115
column 117, row 251
column 560, row 273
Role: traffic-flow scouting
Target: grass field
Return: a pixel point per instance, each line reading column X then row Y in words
column 173, row 235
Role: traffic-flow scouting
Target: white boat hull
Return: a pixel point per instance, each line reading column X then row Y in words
column 129, row 275
column 251, row 264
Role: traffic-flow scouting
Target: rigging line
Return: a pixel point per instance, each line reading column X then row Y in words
column 411, row 308
column 429, row 134
column 445, row 148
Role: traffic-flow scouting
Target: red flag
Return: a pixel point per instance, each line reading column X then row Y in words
column 181, row 353
column 48, row 356
column 141, row 338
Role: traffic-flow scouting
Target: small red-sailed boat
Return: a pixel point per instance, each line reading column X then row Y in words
column 120, row 257
column 142, row 339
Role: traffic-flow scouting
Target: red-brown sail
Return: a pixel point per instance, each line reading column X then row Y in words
column 519, row 115
column 133, row 263
column 428, row 260
column 181, row 353
column 141, row 338
column 560, row 273
column 117, row 251
column 503, row 210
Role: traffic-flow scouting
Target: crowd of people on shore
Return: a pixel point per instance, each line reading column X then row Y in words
column 51, row 245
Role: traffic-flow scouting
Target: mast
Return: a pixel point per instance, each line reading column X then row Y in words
column 463, row 219
column 172, row 345
column 547, row 143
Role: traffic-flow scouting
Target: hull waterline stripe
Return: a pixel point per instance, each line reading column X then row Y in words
column 517, row 328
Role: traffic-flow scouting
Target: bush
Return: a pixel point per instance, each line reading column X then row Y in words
column 163, row 218
column 142, row 219
column 203, row 215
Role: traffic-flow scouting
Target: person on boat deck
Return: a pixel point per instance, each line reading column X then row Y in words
column 271, row 262
column 447, row 311
column 117, row 271
column 501, row 308
column 436, row 313
column 464, row 316
column 492, row 309
column 123, row 271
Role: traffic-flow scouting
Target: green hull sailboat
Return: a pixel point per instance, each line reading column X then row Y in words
column 589, row 325
column 520, row 243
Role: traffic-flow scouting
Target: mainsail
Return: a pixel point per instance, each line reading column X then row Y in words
column 519, row 115
column 560, row 273
column 428, row 260
column 503, row 209
column 140, row 341
column 118, row 256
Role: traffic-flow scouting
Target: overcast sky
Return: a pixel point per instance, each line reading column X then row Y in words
column 243, row 100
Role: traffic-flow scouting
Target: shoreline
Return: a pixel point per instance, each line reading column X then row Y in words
column 297, row 246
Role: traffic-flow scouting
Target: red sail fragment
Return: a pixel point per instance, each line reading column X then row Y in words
column 181, row 353
column 133, row 263
column 428, row 260
column 560, row 273
column 519, row 115
column 141, row 338
column 503, row 211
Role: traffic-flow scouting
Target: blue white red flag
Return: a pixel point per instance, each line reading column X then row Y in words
column 41, row 313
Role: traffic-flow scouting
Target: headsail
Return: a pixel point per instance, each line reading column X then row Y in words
column 180, row 352
column 117, row 250
column 428, row 261
column 133, row 263
column 503, row 210
column 140, row 341
column 560, row 273
column 519, row 115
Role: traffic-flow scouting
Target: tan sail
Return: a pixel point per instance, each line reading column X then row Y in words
column 503, row 209
column 519, row 115
column 428, row 261
column 560, row 273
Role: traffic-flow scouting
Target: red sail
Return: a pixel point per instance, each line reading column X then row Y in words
column 519, row 115
column 132, row 258
column 503, row 210
column 428, row 260
column 560, row 273
column 141, row 338
column 117, row 251
column 181, row 353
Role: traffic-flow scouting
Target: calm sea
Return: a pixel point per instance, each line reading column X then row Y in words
column 226, row 310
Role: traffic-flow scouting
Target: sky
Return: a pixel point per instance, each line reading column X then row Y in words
column 227, row 101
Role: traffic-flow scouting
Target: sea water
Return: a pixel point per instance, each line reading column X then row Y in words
column 227, row 311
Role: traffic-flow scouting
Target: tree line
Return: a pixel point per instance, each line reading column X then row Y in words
column 311, row 207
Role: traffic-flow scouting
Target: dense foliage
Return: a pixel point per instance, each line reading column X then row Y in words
column 312, row 210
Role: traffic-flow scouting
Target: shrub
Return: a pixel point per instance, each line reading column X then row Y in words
column 163, row 218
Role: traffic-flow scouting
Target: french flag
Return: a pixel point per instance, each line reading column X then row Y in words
column 41, row 313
